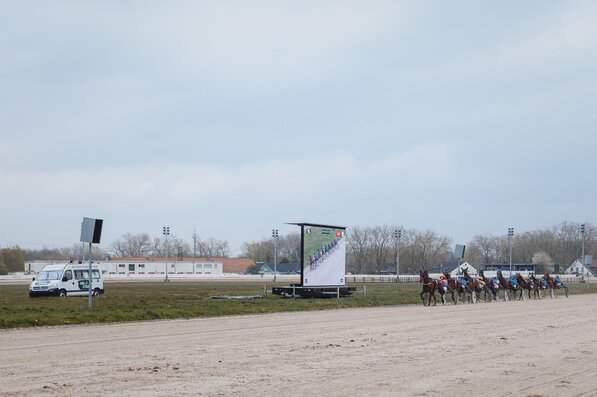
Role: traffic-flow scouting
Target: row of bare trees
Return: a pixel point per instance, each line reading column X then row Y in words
column 139, row 246
column 370, row 249
column 288, row 249
column 373, row 249
column 143, row 246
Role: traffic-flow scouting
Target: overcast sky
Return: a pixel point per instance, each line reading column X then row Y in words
column 233, row 117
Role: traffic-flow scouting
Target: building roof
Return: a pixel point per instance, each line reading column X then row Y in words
column 290, row 268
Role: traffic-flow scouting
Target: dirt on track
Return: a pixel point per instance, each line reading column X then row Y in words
column 523, row 348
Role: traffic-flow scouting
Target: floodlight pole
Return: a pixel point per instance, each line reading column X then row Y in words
column 582, row 255
column 166, row 232
column 397, row 236
column 510, row 234
column 275, row 236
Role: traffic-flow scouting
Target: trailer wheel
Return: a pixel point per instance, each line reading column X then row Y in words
column 62, row 293
column 96, row 293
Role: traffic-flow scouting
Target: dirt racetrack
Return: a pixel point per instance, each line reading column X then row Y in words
column 530, row 348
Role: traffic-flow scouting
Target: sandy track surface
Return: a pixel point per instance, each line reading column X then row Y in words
column 530, row 348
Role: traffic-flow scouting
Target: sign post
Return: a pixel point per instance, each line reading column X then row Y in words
column 91, row 231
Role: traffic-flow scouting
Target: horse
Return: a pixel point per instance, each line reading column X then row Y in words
column 467, row 288
column 429, row 287
column 453, row 284
column 492, row 284
column 555, row 284
column 516, row 286
column 535, row 286
column 477, row 286
column 445, row 286
column 524, row 285
column 505, row 285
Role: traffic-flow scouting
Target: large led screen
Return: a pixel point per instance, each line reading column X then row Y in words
column 324, row 255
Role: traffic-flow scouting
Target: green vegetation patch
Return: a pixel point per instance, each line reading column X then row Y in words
column 151, row 301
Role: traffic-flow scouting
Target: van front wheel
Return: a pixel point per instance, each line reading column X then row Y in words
column 62, row 293
column 96, row 293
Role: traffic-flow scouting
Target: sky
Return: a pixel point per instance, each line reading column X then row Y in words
column 231, row 118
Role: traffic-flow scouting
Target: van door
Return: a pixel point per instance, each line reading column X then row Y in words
column 81, row 286
column 67, row 283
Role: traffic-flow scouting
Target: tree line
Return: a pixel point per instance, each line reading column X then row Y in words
column 373, row 249
column 370, row 249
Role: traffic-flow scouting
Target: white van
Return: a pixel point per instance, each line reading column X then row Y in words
column 67, row 279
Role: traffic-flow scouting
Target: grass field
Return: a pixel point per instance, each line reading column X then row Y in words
column 153, row 300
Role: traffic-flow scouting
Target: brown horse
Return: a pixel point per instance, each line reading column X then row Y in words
column 466, row 288
column 535, row 286
column 492, row 284
column 554, row 283
column 477, row 286
column 505, row 285
column 524, row 286
column 429, row 288
column 453, row 284
column 444, row 288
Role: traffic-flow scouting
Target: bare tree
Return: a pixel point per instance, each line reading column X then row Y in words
column 289, row 248
column 260, row 251
column 212, row 248
column 359, row 240
column 426, row 249
column 132, row 245
column 381, row 246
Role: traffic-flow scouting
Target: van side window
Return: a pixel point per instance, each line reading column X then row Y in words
column 68, row 274
column 81, row 274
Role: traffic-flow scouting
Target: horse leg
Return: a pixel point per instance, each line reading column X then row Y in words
column 473, row 295
column 489, row 293
column 565, row 290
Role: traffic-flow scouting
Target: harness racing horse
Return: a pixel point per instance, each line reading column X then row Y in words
column 516, row 286
column 477, row 286
column 555, row 284
column 524, row 286
column 453, row 284
column 505, row 285
column 444, row 287
column 429, row 287
column 493, row 284
column 535, row 286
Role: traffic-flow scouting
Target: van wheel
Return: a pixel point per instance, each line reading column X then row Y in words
column 62, row 293
column 96, row 293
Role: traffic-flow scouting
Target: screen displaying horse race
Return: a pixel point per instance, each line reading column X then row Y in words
column 324, row 255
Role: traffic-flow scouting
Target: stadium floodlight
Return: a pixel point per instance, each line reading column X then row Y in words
column 583, row 231
column 397, row 236
column 275, row 237
column 510, row 235
column 166, row 232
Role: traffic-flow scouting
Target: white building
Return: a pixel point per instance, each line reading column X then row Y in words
column 147, row 268
column 578, row 268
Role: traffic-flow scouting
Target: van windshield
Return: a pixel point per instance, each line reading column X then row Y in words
column 49, row 275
